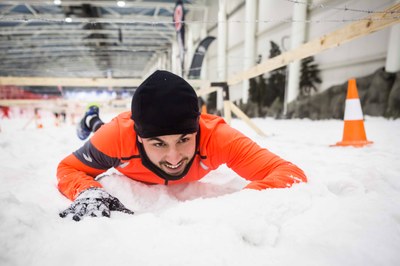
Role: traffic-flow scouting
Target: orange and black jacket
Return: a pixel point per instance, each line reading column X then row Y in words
column 115, row 145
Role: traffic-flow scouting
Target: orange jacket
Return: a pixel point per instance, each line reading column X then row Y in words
column 114, row 145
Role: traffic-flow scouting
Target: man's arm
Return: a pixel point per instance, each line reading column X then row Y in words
column 74, row 177
column 263, row 168
column 77, row 171
column 284, row 175
column 89, row 199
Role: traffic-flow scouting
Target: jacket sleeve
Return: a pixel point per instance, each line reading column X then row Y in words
column 74, row 176
column 77, row 171
column 260, row 166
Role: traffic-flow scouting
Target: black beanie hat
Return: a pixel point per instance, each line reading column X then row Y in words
column 165, row 104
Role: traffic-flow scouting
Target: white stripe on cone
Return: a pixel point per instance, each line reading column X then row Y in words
column 353, row 110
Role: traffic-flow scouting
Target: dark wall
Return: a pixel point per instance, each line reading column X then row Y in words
column 379, row 95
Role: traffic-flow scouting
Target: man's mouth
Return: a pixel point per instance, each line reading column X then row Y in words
column 170, row 166
column 174, row 169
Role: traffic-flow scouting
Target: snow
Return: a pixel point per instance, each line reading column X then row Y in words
column 347, row 214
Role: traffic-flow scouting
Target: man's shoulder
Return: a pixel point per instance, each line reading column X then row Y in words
column 125, row 116
column 213, row 126
column 121, row 122
column 210, row 120
column 120, row 126
column 116, row 136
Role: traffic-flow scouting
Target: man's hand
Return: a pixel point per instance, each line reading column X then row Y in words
column 94, row 202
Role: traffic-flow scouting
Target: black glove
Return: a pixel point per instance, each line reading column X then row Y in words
column 94, row 202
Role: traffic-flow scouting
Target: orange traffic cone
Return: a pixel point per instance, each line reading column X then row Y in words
column 38, row 118
column 204, row 109
column 354, row 132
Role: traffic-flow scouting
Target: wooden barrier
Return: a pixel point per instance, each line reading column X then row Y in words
column 354, row 30
column 84, row 82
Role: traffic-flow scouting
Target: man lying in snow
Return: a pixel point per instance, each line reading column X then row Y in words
column 163, row 140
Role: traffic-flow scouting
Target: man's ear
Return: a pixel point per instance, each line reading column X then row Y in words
column 140, row 139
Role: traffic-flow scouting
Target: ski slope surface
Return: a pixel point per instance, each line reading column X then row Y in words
column 347, row 214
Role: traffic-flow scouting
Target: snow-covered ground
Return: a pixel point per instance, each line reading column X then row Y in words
column 347, row 214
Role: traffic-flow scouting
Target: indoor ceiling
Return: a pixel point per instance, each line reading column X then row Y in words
column 102, row 38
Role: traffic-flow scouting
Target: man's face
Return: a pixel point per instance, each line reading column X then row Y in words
column 171, row 153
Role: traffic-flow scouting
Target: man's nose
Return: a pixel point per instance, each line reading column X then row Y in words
column 173, row 156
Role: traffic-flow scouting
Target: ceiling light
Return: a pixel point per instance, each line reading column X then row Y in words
column 57, row 2
column 121, row 3
column 68, row 19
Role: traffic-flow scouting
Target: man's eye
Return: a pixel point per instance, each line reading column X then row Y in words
column 159, row 144
column 183, row 140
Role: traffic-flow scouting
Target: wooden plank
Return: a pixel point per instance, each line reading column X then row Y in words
column 352, row 31
column 239, row 113
column 206, row 90
column 227, row 112
column 75, row 82
column 17, row 102
column 59, row 102
column 83, row 82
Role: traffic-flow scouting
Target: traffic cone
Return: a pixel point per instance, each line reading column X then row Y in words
column 38, row 118
column 354, row 132
column 204, row 109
